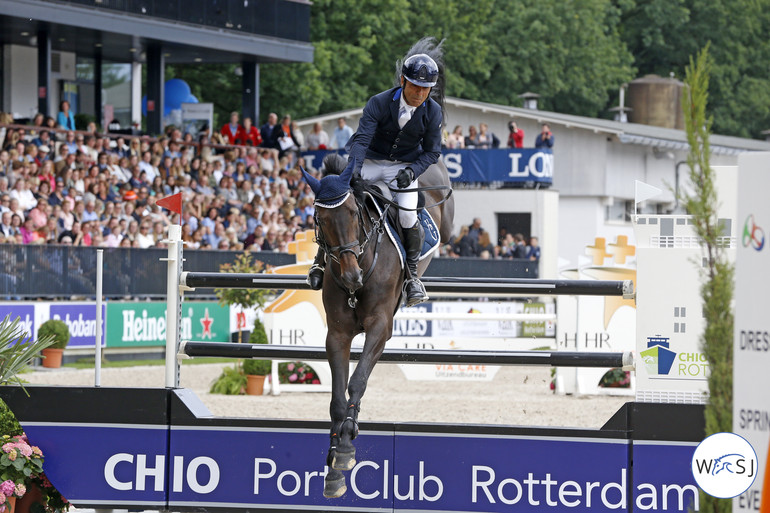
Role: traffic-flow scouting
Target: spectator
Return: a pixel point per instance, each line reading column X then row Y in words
column 65, row 119
column 89, row 214
column 545, row 138
column 455, row 140
column 465, row 245
column 341, row 134
column 533, row 251
column 485, row 244
column 232, row 131
column 267, row 131
column 317, row 139
column 486, row 139
column 6, row 229
column 515, row 135
column 299, row 137
column 475, row 230
column 472, row 139
column 285, row 137
column 250, row 134
column 43, row 139
column 520, row 247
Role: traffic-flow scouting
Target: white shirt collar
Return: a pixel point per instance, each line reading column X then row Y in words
column 402, row 104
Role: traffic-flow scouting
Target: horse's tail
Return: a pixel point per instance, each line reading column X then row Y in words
column 333, row 164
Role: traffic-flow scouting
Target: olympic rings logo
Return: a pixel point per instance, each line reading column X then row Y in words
column 753, row 235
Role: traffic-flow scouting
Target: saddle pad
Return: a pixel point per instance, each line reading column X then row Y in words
column 432, row 238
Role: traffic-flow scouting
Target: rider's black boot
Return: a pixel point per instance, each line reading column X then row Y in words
column 413, row 288
column 315, row 276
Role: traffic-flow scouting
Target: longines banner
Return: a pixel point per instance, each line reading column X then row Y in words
column 751, row 343
column 494, row 165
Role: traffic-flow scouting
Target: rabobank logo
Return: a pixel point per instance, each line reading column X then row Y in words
column 724, row 465
column 753, row 235
column 658, row 358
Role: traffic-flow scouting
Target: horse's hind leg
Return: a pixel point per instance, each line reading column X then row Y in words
column 338, row 355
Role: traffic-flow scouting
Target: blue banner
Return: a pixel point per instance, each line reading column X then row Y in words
column 523, row 166
column 81, row 321
column 240, row 467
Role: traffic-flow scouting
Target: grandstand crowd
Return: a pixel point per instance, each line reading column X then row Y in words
column 242, row 188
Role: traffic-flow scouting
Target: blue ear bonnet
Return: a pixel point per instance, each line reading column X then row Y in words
column 330, row 187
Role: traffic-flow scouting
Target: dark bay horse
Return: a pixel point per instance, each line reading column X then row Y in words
column 361, row 292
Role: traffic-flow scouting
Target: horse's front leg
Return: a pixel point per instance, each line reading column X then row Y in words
column 338, row 354
column 378, row 331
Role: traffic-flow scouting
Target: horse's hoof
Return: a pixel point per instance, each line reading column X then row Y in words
column 334, row 486
column 344, row 460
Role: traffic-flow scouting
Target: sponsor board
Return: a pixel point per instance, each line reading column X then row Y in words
column 398, row 470
column 751, row 341
column 81, row 321
column 25, row 313
column 144, row 324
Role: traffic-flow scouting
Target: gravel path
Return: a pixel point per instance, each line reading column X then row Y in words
column 516, row 396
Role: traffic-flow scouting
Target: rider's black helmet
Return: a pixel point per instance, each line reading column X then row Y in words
column 420, row 70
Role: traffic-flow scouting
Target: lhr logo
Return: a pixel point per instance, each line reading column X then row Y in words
column 724, row 465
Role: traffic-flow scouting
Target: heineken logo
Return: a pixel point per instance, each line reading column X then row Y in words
column 144, row 324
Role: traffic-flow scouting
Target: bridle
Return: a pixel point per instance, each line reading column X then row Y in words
column 336, row 252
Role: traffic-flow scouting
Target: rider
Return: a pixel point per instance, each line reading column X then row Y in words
column 398, row 138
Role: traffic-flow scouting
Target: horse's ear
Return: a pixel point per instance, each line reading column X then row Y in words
column 314, row 183
column 348, row 173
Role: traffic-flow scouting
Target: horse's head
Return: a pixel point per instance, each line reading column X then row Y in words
column 338, row 220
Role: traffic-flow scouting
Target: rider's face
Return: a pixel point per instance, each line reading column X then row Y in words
column 414, row 95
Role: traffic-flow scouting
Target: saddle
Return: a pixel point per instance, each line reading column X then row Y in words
column 373, row 194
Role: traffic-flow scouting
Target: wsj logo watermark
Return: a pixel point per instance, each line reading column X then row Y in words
column 724, row 465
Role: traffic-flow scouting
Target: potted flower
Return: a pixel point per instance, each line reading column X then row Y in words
column 19, row 463
column 255, row 371
column 61, row 335
column 297, row 373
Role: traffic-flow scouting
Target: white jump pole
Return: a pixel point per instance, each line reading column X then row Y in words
column 98, row 348
column 453, row 316
column 173, row 304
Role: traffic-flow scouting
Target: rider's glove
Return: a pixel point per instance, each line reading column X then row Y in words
column 404, row 177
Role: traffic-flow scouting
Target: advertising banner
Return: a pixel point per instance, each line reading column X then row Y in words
column 81, row 321
column 494, row 165
column 397, row 470
column 144, row 324
column 25, row 312
column 751, row 342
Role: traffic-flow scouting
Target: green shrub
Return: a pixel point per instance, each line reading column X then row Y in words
column 259, row 335
column 257, row 367
column 8, row 423
column 232, row 381
column 58, row 330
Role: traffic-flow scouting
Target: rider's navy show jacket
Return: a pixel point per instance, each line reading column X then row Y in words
column 379, row 137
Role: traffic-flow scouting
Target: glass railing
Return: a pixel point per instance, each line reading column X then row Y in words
column 285, row 19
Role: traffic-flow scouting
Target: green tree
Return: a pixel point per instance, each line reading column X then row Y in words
column 568, row 52
column 717, row 288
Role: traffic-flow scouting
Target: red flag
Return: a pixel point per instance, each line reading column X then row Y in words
column 172, row 203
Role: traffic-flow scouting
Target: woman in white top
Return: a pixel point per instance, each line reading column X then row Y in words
column 456, row 140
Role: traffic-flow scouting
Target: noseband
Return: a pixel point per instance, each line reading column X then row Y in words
column 336, row 252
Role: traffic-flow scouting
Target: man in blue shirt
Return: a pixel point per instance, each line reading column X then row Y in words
column 342, row 134
column 398, row 138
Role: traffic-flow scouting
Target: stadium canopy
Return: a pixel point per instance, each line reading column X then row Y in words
column 155, row 32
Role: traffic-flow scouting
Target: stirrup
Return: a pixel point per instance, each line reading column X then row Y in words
column 315, row 268
column 415, row 300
